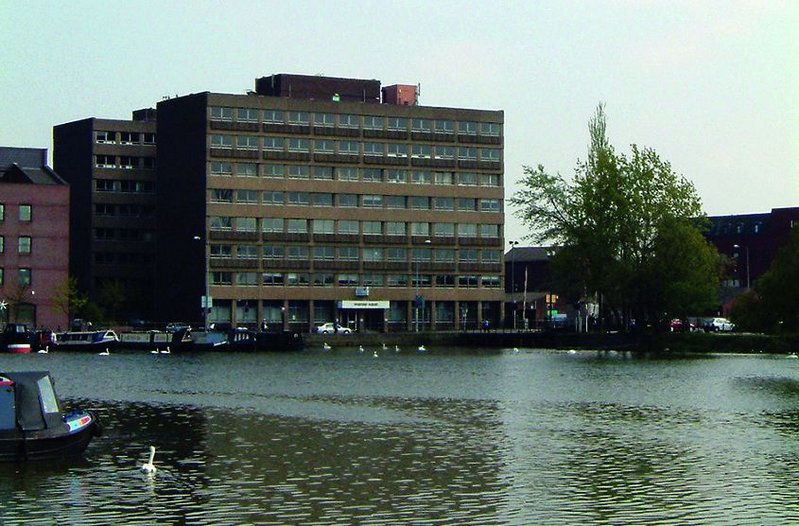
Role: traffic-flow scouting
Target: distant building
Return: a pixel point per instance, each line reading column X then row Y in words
column 110, row 166
column 752, row 241
column 34, row 238
column 312, row 200
column 530, row 290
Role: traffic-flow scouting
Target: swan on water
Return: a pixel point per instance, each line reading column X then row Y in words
column 326, row 346
column 104, row 353
column 385, row 347
column 396, row 348
column 166, row 351
column 360, row 348
column 374, row 353
column 149, row 467
column 422, row 348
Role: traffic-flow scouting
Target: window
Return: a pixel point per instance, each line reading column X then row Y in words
column 489, row 154
column 298, row 171
column 347, row 174
column 246, row 115
column 395, row 228
column 421, row 151
column 422, row 125
column 467, row 154
column 273, row 116
column 348, row 280
column 491, row 256
column 246, row 170
column 371, row 122
column 349, row 227
column 273, row 144
column 149, row 138
column 324, row 120
column 348, row 253
column 323, row 226
column 272, row 197
column 221, row 114
column 397, row 150
column 348, row 121
column 322, row 199
column 373, row 280
column 297, row 279
column 397, row 254
column 444, row 178
column 421, row 177
column 373, row 254
column 273, row 252
column 297, row 252
column 321, row 279
column 395, row 202
column 105, row 136
column 420, row 202
column 397, row 124
column 273, row 170
column 272, row 279
column 372, row 201
column 372, row 175
column 220, row 251
column 222, row 141
column 489, row 205
column 299, row 145
column 298, row 118
column 106, row 161
column 272, row 225
column 323, row 146
column 299, row 198
column 324, row 253
column 348, row 148
column 444, row 203
column 467, row 179
column 24, row 277
column 396, row 176
column 246, row 224
column 373, row 149
column 491, row 282
column 444, row 229
column 218, row 168
column 445, row 152
column 489, row 129
column 221, row 195
column 347, row 200
column 247, row 251
column 298, row 226
column 467, row 230
column 467, row 281
column 467, row 255
column 397, row 280
column 489, row 180
column 249, row 197
column 221, row 223
column 467, row 128
column 323, row 173
column 445, row 127
column 445, row 280
column 24, row 244
column 25, row 213
column 222, row 278
column 148, row 163
column 422, row 255
column 247, row 279
column 372, row 228
column 445, row 255
column 489, row 231
column 420, row 229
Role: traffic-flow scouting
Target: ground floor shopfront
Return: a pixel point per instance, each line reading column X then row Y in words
column 358, row 315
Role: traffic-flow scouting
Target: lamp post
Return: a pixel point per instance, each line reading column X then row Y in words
column 418, row 299
column 206, row 300
column 513, row 280
column 746, row 248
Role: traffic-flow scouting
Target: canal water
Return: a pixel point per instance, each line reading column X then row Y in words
column 446, row 437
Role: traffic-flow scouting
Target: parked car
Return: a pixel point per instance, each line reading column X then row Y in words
column 678, row 325
column 719, row 324
column 332, row 328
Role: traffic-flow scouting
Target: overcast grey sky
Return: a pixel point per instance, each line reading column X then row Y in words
column 713, row 86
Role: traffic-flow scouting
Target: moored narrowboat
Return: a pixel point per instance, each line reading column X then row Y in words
column 17, row 338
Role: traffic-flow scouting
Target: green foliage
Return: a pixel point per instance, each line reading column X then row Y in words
column 68, row 298
column 624, row 230
column 112, row 296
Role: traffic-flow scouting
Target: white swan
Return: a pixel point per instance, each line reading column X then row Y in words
column 422, row 348
column 46, row 350
column 167, row 351
column 374, row 354
column 385, row 347
column 154, row 351
column 326, row 346
column 396, row 348
column 149, row 467
column 106, row 352
column 360, row 348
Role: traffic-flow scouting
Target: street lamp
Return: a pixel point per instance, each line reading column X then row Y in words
column 747, row 262
column 513, row 279
column 418, row 299
column 206, row 299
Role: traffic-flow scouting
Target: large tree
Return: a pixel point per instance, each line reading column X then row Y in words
column 620, row 223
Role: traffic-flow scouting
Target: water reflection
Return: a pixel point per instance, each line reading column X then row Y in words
column 519, row 438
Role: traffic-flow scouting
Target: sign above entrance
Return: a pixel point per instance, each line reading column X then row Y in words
column 355, row 304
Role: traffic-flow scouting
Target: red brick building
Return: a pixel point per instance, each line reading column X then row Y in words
column 34, row 238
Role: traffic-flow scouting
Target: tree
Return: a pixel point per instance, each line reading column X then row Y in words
column 615, row 223
column 68, row 298
column 112, row 297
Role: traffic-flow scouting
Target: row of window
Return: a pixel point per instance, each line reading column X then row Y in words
column 24, row 244
column 125, row 162
column 353, row 174
column 24, row 277
column 124, row 186
column 124, row 210
column 366, row 149
column 351, row 121
column 353, row 253
column 123, row 234
column 325, row 199
column 321, row 279
column 25, row 212
column 113, row 137
column 352, row 227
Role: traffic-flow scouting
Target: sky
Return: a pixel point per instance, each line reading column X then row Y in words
column 712, row 86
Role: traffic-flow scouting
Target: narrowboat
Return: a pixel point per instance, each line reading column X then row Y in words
column 32, row 424
column 17, row 338
column 100, row 340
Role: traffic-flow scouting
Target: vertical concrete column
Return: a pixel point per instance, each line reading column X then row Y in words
column 433, row 317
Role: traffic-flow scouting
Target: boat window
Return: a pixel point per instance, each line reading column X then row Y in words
column 47, row 395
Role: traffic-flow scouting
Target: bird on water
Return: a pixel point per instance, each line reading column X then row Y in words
column 149, row 467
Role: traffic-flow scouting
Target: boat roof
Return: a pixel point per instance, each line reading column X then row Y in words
column 36, row 402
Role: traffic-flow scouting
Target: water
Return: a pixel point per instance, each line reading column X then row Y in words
column 534, row 437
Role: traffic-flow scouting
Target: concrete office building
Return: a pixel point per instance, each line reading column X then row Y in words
column 34, row 239
column 316, row 199
column 110, row 166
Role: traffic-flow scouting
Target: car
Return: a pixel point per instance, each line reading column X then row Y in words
column 678, row 325
column 719, row 324
column 332, row 328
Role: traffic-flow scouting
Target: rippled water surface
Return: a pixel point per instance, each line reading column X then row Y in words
column 448, row 437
